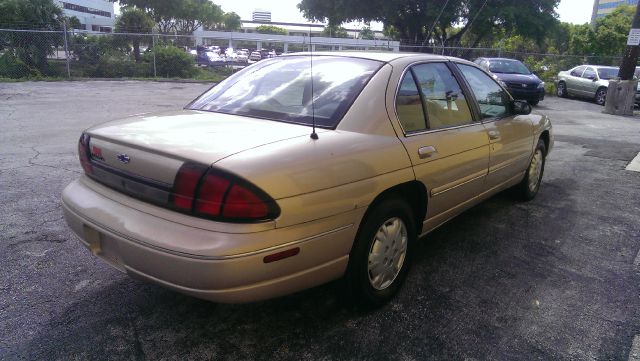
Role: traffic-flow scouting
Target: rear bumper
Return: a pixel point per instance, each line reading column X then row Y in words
column 226, row 277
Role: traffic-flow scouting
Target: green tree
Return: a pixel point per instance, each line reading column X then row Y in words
column 179, row 16
column 228, row 22
column 30, row 49
column 334, row 31
column 419, row 21
column 231, row 21
column 73, row 23
column 134, row 21
column 367, row 34
column 610, row 36
column 271, row 29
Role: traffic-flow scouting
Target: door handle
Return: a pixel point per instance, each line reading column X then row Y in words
column 494, row 135
column 427, row 152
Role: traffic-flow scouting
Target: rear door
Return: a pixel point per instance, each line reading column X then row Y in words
column 449, row 150
column 574, row 79
column 588, row 82
column 510, row 136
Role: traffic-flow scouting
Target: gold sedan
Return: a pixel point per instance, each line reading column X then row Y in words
column 300, row 170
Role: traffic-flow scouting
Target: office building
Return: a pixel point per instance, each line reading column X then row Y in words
column 603, row 7
column 94, row 15
column 261, row 15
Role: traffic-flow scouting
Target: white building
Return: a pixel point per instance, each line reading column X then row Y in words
column 94, row 15
column 261, row 15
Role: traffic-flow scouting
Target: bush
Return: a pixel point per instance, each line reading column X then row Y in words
column 14, row 68
column 171, row 62
column 120, row 67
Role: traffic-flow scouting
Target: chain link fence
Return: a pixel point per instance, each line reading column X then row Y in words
column 73, row 54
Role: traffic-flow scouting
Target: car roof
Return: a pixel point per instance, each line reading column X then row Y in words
column 597, row 66
column 379, row 56
column 484, row 58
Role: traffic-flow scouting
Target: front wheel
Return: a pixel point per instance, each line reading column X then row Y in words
column 529, row 186
column 601, row 96
column 381, row 254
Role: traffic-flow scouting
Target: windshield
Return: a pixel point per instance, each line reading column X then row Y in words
column 280, row 89
column 508, row 67
column 607, row 73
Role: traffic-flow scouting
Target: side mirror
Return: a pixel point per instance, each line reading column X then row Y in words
column 521, row 107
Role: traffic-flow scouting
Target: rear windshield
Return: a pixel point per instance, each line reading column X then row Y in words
column 280, row 89
column 508, row 67
column 607, row 73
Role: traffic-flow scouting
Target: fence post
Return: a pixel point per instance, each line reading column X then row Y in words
column 153, row 47
column 66, row 47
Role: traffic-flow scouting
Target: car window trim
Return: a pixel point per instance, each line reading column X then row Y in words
column 409, row 67
column 425, row 113
column 509, row 112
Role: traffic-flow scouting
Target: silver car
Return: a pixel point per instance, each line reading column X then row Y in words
column 586, row 81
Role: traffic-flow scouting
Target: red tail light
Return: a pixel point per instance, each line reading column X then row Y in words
column 84, row 153
column 184, row 187
column 213, row 194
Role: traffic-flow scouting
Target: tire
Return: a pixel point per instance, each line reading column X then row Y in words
column 601, row 96
column 530, row 184
column 561, row 90
column 390, row 230
column 533, row 103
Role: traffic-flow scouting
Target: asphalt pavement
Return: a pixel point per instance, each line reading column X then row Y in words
column 557, row 278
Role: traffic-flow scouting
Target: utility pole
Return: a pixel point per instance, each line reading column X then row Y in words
column 630, row 59
column 621, row 93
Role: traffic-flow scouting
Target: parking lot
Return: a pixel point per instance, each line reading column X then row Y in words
column 556, row 278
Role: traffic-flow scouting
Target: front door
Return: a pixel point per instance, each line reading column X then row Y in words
column 509, row 135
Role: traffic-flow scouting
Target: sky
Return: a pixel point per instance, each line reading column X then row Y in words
column 572, row 11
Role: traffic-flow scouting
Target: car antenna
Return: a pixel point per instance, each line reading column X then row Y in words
column 314, row 135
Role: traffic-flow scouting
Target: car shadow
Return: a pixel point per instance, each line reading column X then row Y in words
column 474, row 278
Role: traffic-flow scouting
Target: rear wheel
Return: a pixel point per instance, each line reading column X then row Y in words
column 561, row 90
column 601, row 96
column 530, row 185
column 533, row 103
column 381, row 254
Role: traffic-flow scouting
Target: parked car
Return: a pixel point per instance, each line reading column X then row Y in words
column 209, row 58
column 519, row 80
column 261, row 187
column 255, row 56
column 242, row 56
column 587, row 81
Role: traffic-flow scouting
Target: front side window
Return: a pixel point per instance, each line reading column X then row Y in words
column 608, row 73
column 281, row 89
column 493, row 100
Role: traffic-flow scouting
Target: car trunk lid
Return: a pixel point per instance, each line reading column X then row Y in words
column 141, row 155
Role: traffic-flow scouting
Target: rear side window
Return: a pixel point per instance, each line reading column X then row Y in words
column 589, row 73
column 409, row 105
column 578, row 71
column 493, row 100
column 281, row 89
column 430, row 97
